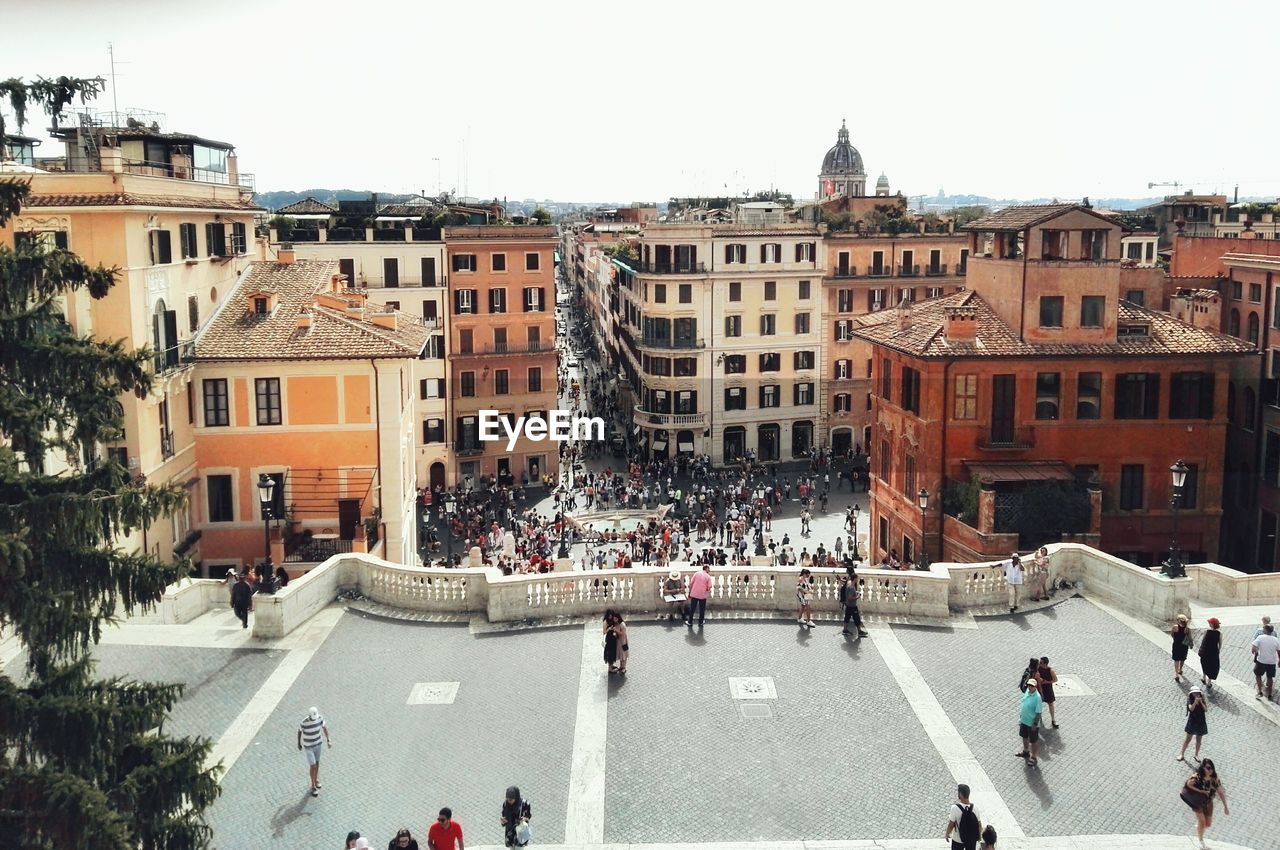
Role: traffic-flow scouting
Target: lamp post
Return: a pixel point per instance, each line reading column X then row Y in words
column 448, row 505
column 922, row 498
column 1173, row 567
column 266, row 575
column 856, row 557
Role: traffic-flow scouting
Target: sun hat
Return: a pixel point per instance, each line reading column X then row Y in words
column 1182, row 618
column 673, row 574
column 1195, row 689
column 1214, row 621
column 313, row 712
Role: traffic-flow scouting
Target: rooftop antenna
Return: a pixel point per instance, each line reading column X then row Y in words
column 1174, row 183
column 111, row 52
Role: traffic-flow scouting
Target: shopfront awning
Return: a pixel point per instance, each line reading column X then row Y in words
column 686, row 445
column 660, row 445
column 1020, row 470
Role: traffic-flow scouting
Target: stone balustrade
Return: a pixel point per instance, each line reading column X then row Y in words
column 188, row 598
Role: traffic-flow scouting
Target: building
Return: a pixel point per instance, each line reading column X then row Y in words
column 398, row 262
column 1188, row 213
column 720, row 339
column 502, row 346
column 303, row 379
column 867, row 273
column 1042, row 370
column 173, row 213
column 842, row 172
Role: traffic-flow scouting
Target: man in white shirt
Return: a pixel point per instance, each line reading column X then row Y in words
column 963, row 825
column 1013, row 577
column 1266, row 654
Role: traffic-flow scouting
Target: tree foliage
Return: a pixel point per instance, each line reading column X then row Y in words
column 52, row 95
column 541, row 216
column 964, row 215
column 83, row 762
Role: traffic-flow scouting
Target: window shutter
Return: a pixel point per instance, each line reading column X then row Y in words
column 457, row 301
column 795, row 394
column 1206, row 395
column 171, row 337
column 542, row 298
column 428, row 271
column 1151, row 408
column 60, row 239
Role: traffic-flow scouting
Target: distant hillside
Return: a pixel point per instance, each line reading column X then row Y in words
column 276, row 200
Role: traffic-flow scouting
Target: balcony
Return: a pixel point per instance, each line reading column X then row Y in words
column 882, row 271
column 388, row 234
column 175, row 357
column 500, row 349
column 851, row 271
column 670, row 268
column 909, row 271
column 466, row 448
column 670, row 420
column 935, row 271
column 198, row 175
column 678, row 344
column 1007, row 439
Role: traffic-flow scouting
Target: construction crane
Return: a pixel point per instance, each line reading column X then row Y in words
column 1175, row 184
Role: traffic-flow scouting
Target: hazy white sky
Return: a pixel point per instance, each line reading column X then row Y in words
column 648, row 99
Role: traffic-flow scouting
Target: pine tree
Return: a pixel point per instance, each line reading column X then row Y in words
column 84, row 763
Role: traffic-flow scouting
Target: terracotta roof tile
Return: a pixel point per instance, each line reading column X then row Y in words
column 1023, row 216
column 234, row 333
column 129, row 199
column 307, row 206
column 925, row 338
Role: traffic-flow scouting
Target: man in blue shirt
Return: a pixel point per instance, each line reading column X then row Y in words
column 1029, row 722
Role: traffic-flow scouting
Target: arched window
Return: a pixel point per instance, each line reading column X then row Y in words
column 1253, row 328
column 1234, row 328
column 1231, row 402
column 1250, row 408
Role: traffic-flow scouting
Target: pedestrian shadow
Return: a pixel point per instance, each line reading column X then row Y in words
column 853, row 645
column 1051, row 742
column 616, row 681
column 286, row 815
column 1035, row 781
column 693, row 636
column 803, row 634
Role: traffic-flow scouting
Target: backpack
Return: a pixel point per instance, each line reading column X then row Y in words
column 968, row 827
column 1022, row 683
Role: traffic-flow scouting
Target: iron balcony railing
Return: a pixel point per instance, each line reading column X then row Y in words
column 883, row 271
column 174, row 357
column 908, row 270
column 935, row 271
column 1006, row 438
column 685, row 343
column 671, row 268
column 501, row 348
column 851, row 271
column 199, row 175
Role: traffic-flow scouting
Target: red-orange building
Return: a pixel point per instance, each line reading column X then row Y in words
column 1044, row 370
column 502, row 346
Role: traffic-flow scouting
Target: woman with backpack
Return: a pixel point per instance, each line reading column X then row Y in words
column 1182, row 643
column 516, row 812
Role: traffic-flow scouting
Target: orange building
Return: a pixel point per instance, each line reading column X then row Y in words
column 302, row 380
column 502, row 345
column 1043, row 370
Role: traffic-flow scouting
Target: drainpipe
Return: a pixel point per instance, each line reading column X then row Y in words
column 1022, row 314
column 1260, row 433
column 377, row 425
column 942, row 455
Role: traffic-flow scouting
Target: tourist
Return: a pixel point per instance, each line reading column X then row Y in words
column 1029, row 722
column 514, row 812
column 849, row 599
column 624, row 647
column 1046, row 677
column 1198, row 793
column 1266, row 621
column 673, row 594
column 1013, row 578
column 1040, row 574
column 352, row 837
column 1182, row 643
column 311, row 732
column 963, row 826
column 1266, row 654
column 445, row 833
column 282, row 577
column 404, row 840
column 699, row 590
column 1211, row 653
column 242, row 599
column 804, row 590
column 1196, row 725
column 1033, row 666
column 988, row 838
column 610, row 641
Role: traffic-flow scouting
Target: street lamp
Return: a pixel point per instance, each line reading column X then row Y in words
column 448, row 505
column 266, row 490
column 1173, row 567
column 856, row 557
column 922, row 498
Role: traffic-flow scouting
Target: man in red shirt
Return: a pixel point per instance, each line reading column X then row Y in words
column 445, row 834
column 699, row 590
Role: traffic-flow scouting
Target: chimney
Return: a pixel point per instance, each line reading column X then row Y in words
column 304, row 319
column 286, row 256
column 386, row 318
column 961, row 324
column 355, row 308
column 904, row 313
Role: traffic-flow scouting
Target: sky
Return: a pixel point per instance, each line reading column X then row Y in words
column 647, row 99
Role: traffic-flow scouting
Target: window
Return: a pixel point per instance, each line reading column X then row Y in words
column 733, row 326
column 428, row 271
column 497, row 301
column 660, row 293
column 770, row 290
column 802, row 323
column 1237, row 290
column 501, row 381
column 431, row 388
column 686, row 293
column 886, row 379
column 884, row 463
column 804, row 290
column 498, row 262
column 1255, row 293
column 803, row 394
column 1250, row 409
column 267, row 393
column 875, row 299
column 1131, row 491
column 1191, row 395
column 464, row 302
column 1138, row 395
column 659, row 366
column 433, row 431
column 844, row 330
column 843, row 402
column 844, row 301
column 260, row 306
column 1089, row 395
column 390, row 272
column 1136, row 296
column 907, row 294
column 735, row 291
column 215, row 238
column 532, row 261
column 239, row 239
column 535, row 379
column 347, row 268
column 464, row 262
column 735, row 253
column 221, row 503
column 1091, row 310
column 161, row 251
column 535, row 299
column 768, row 325
column 769, row 396
column 842, row 370
column 1271, row 459
column 735, row 364
column 187, row 240
column 803, row 360
column 467, row 381
column 1188, row 499
column 217, row 410
column 686, row 367
column 686, row 402
column 804, row 252
column 1254, row 324
column 771, row 252
column 770, row 362
column 193, row 313
column 466, row 341
column 1234, row 327
column 965, row 405
column 909, row 479
column 735, row 398
column 1051, row 311
column 964, row 261
column 910, row 389
column 1093, row 244
column 1048, row 394
column 884, row 534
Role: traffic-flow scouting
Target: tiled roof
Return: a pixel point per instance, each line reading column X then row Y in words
column 925, row 336
column 1023, row 216
column 129, row 199
column 236, row 334
column 307, row 206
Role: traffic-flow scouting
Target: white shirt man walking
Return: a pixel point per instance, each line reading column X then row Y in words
column 964, row 828
column 310, row 733
column 1013, row 576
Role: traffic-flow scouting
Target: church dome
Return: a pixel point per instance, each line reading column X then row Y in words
column 883, row 182
column 844, row 157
